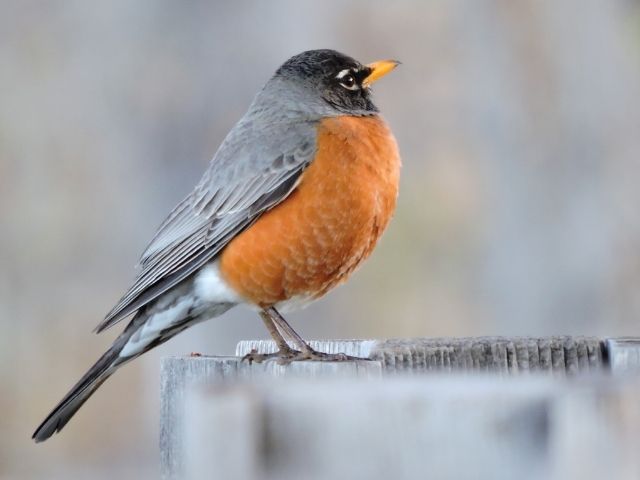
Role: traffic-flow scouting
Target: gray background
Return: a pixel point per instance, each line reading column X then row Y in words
column 519, row 127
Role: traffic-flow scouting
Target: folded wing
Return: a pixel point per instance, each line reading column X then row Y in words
column 254, row 170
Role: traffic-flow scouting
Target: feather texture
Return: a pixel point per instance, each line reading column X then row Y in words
column 255, row 168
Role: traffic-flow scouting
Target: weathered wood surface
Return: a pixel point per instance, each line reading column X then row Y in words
column 496, row 354
column 404, row 428
column 181, row 374
column 223, row 418
column 623, row 354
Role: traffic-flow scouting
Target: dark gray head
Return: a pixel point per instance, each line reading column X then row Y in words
column 327, row 83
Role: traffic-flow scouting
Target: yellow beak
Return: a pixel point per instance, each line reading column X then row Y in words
column 378, row 70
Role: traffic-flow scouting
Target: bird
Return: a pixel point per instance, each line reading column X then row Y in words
column 295, row 198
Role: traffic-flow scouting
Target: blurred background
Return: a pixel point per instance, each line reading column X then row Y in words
column 519, row 128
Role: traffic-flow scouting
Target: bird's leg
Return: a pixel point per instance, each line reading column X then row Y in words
column 306, row 352
column 278, row 320
column 284, row 353
column 281, row 343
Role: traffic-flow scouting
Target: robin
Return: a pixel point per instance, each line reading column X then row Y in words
column 295, row 198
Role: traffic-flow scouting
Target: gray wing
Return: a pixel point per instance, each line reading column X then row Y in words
column 254, row 170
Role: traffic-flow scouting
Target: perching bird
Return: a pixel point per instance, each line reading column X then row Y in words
column 295, row 198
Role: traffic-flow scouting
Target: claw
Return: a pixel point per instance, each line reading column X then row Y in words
column 253, row 356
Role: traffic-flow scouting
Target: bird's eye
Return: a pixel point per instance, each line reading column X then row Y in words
column 347, row 80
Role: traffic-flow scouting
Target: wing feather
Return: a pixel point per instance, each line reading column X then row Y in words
column 254, row 170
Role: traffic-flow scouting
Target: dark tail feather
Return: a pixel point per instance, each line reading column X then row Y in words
column 111, row 361
column 79, row 394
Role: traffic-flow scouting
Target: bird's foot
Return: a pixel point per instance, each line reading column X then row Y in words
column 313, row 355
column 288, row 355
column 282, row 356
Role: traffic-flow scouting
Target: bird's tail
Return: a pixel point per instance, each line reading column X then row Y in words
column 89, row 383
column 150, row 327
column 95, row 376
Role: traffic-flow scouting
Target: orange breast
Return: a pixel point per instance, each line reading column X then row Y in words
column 315, row 238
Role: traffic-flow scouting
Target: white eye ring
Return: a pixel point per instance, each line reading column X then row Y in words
column 347, row 79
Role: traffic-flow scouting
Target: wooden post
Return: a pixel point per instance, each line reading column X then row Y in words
column 223, row 418
column 179, row 375
column 516, row 355
column 623, row 354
